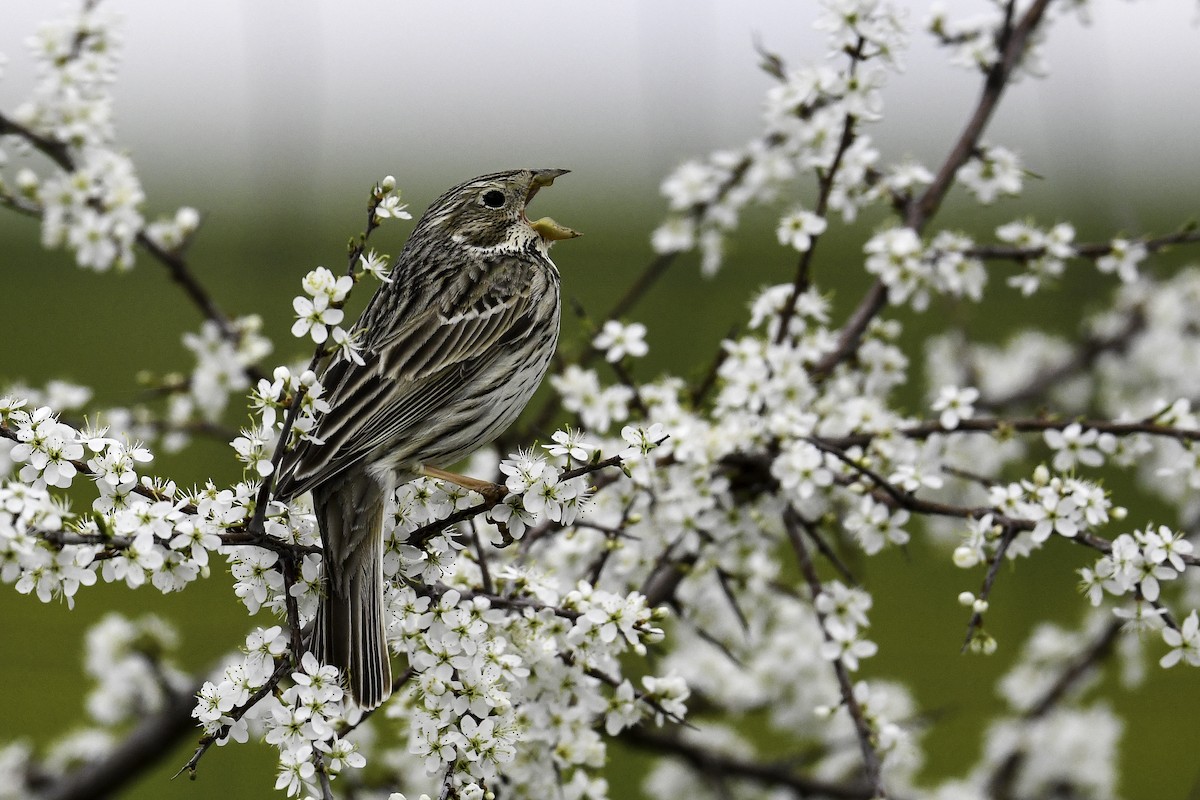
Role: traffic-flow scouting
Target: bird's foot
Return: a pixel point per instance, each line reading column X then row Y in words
column 492, row 492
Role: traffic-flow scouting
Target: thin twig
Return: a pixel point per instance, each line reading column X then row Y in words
column 288, row 568
column 1006, row 538
column 995, row 82
column 826, row 179
column 485, row 578
column 922, row 209
column 176, row 265
column 793, row 524
column 1075, row 670
column 711, row 762
column 1188, row 234
column 282, row 668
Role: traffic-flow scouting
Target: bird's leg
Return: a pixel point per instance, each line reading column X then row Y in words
column 493, row 492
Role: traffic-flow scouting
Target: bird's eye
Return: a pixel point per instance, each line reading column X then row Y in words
column 493, row 198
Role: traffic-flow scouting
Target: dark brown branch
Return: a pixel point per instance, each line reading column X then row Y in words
column 852, row 332
column 177, row 267
column 148, row 743
column 1091, row 250
column 922, row 209
column 287, row 566
column 1075, row 670
column 662, row 582
column 1012, row 48
column 282, row 668
column 794, row 524
column 485, row 575
column 53, row 149
column 826, row 179
column 1028, row 425
column 711, row 763
column 989, row 580
column 641, row 285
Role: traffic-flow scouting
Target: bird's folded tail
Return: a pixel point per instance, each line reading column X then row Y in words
column 350, row 629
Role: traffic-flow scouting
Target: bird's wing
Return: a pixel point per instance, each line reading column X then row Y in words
column 413, row 367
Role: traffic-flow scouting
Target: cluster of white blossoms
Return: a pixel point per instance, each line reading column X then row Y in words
column 1049, row 251
column 138, row 530
column 807, row 116
column 597, row 406
column 1137, row 563
column 484, row 666
column 321, row 309
column 222, row 372
column 674, row 542
column 972, row 43
column 994, row 171
column 91, row 202
column 305, row 721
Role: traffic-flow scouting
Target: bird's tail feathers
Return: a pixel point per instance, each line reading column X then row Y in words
column 350, row 629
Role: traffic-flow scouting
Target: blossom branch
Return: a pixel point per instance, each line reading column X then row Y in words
column 826, row 179
column 291, row 607
column 1076, row 669
column 921, row 210
column 1000, row 425
column 177, row 267
column 424, row 533
column 355, row 251
column 710, row 763
column 149, row 492
column 793, row 524
column 1012, row 47
column 53, row 149
column 282, row 668
column 1007, row 535
column 1188, row 234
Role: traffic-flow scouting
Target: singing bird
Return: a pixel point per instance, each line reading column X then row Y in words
column 454, row 346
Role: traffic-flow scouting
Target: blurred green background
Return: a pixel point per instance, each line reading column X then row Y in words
column 251, row 113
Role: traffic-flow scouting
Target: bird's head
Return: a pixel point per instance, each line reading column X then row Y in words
column 489, row 212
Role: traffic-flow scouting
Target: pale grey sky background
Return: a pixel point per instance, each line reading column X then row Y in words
column 220, row 99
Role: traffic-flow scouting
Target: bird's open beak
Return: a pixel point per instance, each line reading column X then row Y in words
column 548, row 229
column 551, row 231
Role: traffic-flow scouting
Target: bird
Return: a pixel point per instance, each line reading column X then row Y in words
column 453, row 347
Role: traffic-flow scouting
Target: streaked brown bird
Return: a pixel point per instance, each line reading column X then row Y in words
column 454, row 346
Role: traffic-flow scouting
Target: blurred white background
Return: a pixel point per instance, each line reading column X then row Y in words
column 320, row 96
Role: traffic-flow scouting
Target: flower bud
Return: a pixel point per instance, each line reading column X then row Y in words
column 965, row 557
